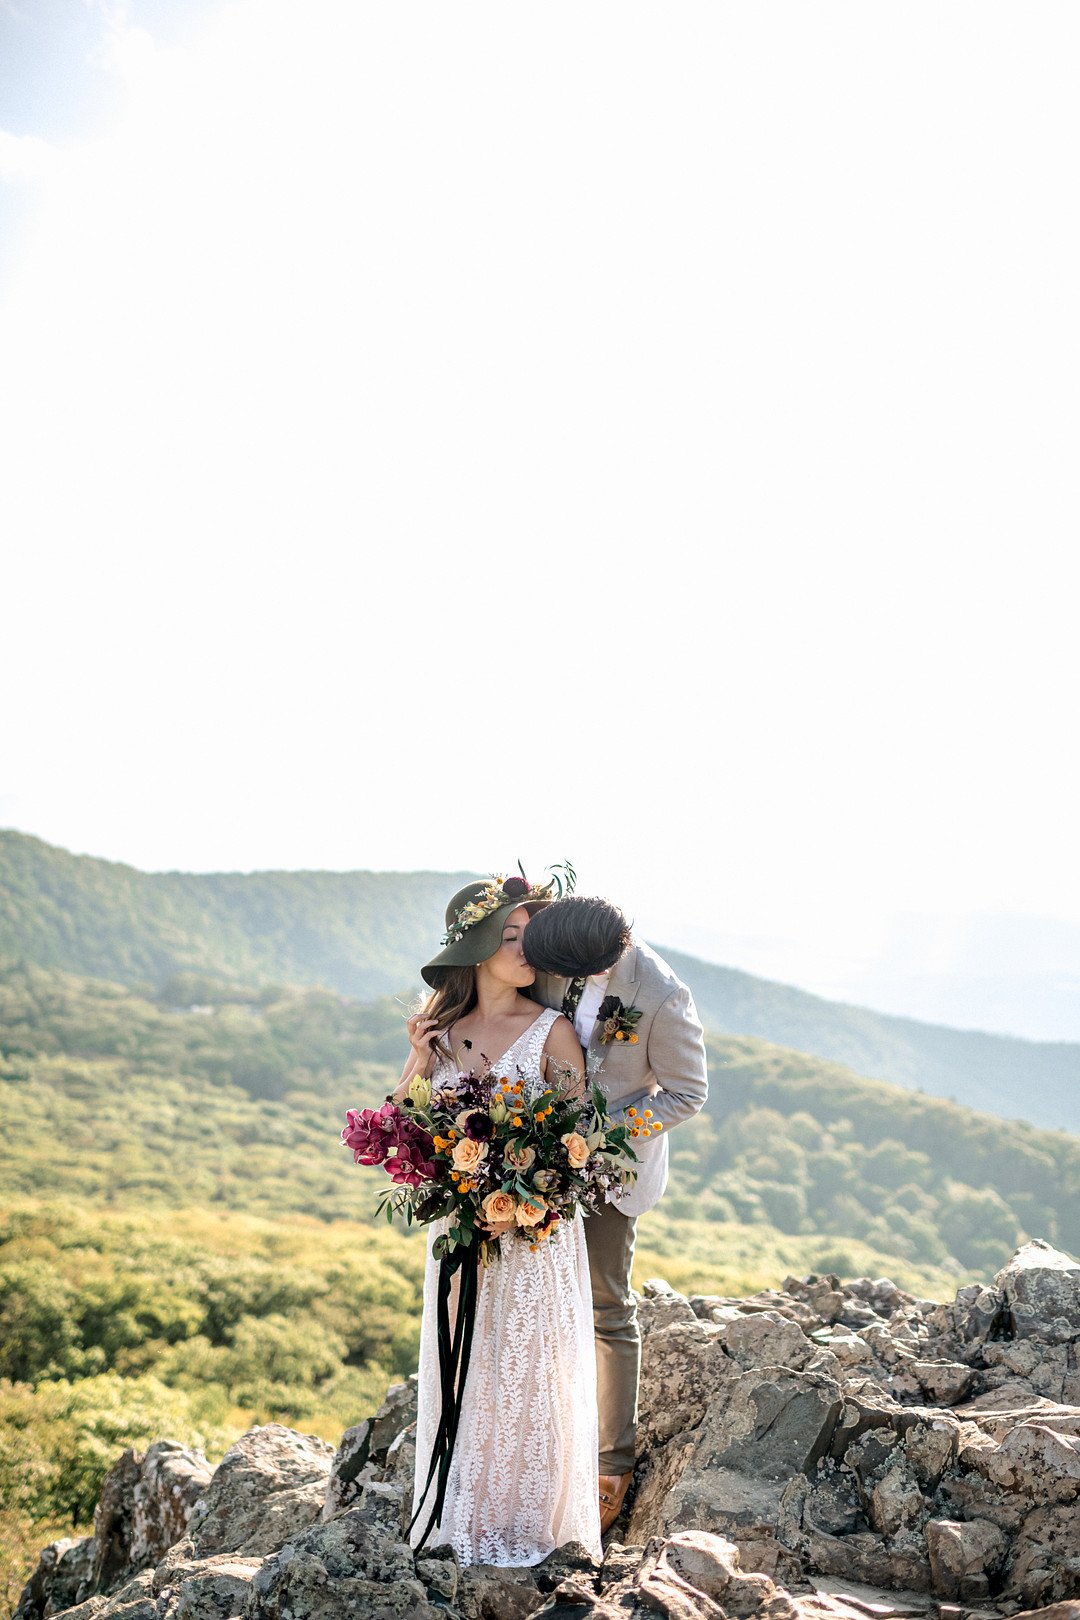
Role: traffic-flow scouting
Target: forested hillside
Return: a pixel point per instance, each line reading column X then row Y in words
column 238, row 1102
column 363, row 934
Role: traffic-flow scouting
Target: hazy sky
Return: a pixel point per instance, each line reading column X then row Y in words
column 438, row 433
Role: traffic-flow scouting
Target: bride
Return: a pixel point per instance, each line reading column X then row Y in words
column 523, row 1479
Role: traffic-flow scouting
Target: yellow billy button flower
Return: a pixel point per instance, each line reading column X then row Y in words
column 619, row 1036
column 648, row 1113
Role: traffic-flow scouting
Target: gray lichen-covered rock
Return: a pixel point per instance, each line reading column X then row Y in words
column 268, row 1485
column 353, row 1564
column 135, row 1600
column 361, row 1456
column 682, row 1357
column 689, row 1576
column 63, row 1570
column 205, row 1587
column 729, row 1473
column 940, row 1420
column 145, row 1505
column 1044, row 1561
column 1032, row 1462
column 965, row 1555
column 1040, row 1288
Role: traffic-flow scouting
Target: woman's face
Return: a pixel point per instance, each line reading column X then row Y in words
column 508, row 965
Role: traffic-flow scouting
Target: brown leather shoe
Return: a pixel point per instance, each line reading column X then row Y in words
column 613, row 1489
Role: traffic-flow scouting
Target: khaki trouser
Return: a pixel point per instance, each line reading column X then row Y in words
column 610, row 1240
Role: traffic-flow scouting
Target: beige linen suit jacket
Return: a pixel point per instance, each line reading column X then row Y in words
column 665, row 1070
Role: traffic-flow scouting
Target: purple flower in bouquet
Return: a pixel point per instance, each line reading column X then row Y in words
column 370, row 1132
column 409, row 1167
column 375, row 1133
column 480, row 1127
column 468, row 1091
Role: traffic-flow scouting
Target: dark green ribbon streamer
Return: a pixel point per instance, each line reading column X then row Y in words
column 454, row 1356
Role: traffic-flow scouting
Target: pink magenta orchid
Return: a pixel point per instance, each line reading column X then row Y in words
column 388, row 1137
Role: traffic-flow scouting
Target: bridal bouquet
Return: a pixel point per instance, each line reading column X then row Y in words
column 478, row 1150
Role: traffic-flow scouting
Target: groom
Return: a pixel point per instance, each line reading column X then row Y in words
column 637, row 1023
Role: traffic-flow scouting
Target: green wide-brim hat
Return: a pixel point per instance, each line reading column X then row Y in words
column 481, row 939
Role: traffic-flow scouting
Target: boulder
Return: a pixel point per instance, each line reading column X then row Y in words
column 1040, row 1289
column 146, row 1502
column 728, row 1475
column 690, row 1576
column 766, row 1339
column 1044, row 1563
column 362, row 1454
column 349, row 1565
column 683, row 1360
column 271, row 1483
column 1032, row 1462
column 63, row 1570
column 215, row 1586
column 134, row 1600
column 964, row 1556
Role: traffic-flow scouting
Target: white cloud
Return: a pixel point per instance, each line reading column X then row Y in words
column 25, row 159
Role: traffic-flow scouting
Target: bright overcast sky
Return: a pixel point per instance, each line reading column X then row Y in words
column 433, row 433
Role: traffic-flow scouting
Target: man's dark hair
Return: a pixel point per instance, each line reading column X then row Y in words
column 576, row 936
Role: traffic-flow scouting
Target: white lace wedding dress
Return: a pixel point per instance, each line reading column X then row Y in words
column 523, row 1478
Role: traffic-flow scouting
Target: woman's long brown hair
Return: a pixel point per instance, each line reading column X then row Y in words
column 452, row 998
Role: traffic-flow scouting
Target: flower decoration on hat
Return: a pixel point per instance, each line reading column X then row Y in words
column 506, row 891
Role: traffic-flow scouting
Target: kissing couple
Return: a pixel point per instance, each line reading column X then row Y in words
column 538, row 986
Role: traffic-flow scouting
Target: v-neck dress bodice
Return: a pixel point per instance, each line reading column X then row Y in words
column 523, row 1479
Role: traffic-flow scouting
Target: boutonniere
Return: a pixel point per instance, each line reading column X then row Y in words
column 616, row 1021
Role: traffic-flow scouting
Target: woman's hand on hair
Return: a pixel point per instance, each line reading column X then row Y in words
column 422, row 1031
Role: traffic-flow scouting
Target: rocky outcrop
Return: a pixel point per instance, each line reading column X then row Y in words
column 144, row 1508
column 269, row 1485
column 827, row 1450
column 874, row 1436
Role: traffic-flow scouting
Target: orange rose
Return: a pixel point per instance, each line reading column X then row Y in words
column 467, row 1154
column 530, row 1212
column 577, row 1149
column 520, row 1157
column 498, row 1206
